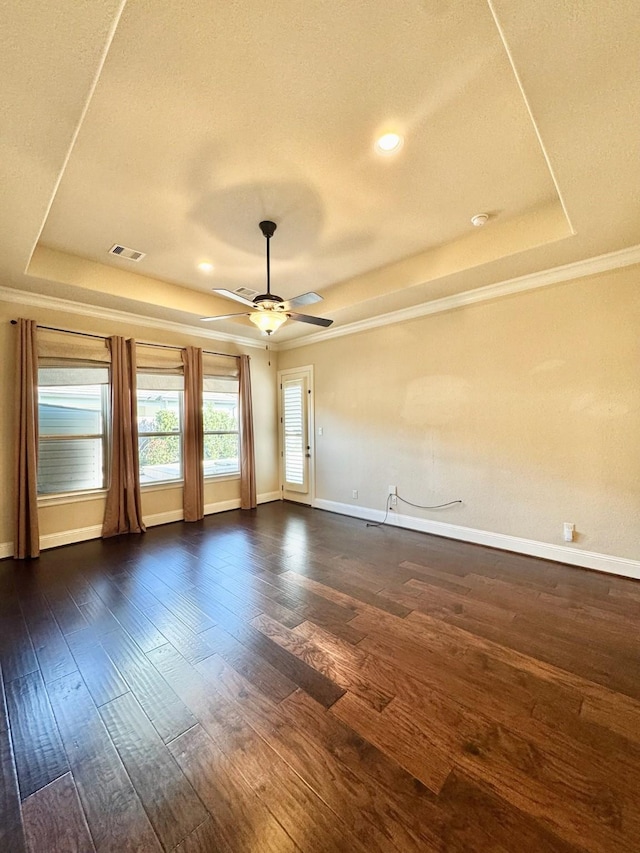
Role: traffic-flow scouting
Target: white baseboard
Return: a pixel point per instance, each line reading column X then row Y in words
column 558, row 553
column 223, row 506
column 81, row 534
column 269, row 497
column 68, row 537
column 162, row 517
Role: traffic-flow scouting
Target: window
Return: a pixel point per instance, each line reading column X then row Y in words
column 72, row 416
column 159, row 399
column 294, row 431
column 220, row 422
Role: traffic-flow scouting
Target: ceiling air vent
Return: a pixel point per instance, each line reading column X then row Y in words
column 124, row 252
column 246, row 292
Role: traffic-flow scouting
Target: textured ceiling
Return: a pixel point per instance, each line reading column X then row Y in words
column 174, row 129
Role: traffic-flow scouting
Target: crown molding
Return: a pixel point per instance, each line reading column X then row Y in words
column 55, row 303
column 533, row 281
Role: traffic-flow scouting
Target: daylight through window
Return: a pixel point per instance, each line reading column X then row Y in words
column 159, row 399
column 220, row 422
column 72, row 418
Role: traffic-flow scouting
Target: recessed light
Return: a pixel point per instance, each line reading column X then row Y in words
column 205, row 266
column 389, row 143
column 480, row 219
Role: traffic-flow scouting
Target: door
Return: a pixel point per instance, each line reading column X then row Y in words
column 296, row 431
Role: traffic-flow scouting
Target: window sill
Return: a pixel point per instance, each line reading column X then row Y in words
column 221, row 478
column 97, row 494
column 71, row 497
column 161, row 485
column 178, row 484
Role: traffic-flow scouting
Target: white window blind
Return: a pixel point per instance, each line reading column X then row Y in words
column 293, row 423
column 72, row 414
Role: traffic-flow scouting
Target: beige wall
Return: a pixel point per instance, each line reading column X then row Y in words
column 58, row 518
column 526, row 408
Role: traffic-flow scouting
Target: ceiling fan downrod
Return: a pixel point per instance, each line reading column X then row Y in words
column 268, row 228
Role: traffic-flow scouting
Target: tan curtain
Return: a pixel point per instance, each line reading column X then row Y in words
column 123, row 512
column 26, row 535
column 248, row 499
column 193, row 449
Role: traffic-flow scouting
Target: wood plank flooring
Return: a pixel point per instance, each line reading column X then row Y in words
column 291, row 680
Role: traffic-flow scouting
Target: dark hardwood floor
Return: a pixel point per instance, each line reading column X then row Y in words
column 291, row 680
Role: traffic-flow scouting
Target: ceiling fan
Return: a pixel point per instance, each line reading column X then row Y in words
column 269, row 311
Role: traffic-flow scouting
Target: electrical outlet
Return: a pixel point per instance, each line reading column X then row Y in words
column 354, row 494
column 393, row 490
column 568, row 531
column 393, row 500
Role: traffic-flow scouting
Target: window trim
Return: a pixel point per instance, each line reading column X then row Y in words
column 58, row 498
column 219, row 478
column 229, row 477
column 162, row 485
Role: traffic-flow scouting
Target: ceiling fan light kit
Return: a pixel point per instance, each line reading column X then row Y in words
column 268, row 321
column 269, row 310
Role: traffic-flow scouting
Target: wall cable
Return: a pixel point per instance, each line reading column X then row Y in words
column 422, row 506
column 405, row 501
column 380, row 523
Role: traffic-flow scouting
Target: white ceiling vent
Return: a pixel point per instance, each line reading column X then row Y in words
column 246, row 292
column 124, row 252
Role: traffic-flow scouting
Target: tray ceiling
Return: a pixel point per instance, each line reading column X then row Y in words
column 187, row 124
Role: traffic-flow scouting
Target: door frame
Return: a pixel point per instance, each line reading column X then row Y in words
column 283, row 374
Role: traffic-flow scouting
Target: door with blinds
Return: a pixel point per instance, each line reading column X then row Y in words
column 296, row 431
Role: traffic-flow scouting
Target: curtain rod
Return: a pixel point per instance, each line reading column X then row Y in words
column 142, row 343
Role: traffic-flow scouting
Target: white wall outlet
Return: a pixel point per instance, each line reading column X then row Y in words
column 568, row 531
column 320, row 430
column 393, row 490
column 393, row 501
column 354, row 494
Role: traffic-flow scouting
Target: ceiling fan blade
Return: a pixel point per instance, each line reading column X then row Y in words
column 229, row 294
column 224, row 316
column 303, row 299
column 305, row 318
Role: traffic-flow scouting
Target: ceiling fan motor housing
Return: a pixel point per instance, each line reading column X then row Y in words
column 265, row 298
